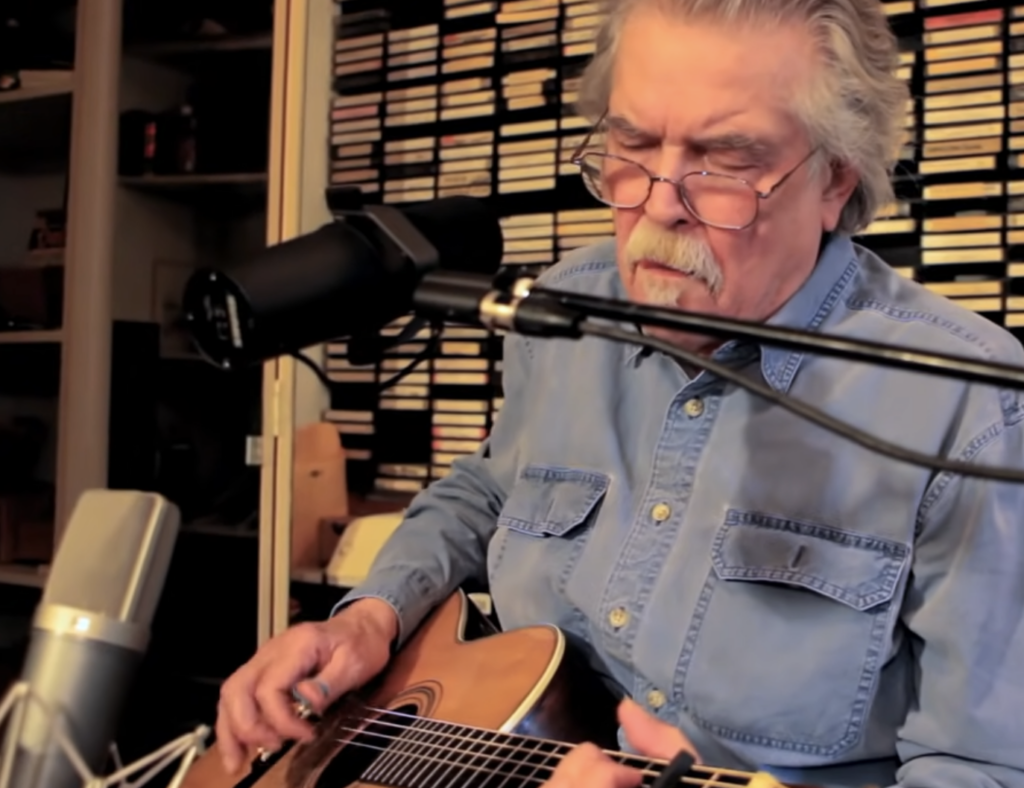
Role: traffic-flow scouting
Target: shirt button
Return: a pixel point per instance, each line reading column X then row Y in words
column 694, row 408
column 660, row 512
column 619, row 617
column 656, row 699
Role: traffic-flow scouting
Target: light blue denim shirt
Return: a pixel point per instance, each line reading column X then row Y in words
column 788, row 599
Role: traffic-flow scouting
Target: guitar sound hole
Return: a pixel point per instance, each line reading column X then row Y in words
column 353, row 760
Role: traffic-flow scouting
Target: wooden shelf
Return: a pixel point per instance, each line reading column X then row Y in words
column 162, row 49
column 19, row 575
column 246, row 191
column 31, row 337
column 62, row 86
column 179, row 182
column 198, row 54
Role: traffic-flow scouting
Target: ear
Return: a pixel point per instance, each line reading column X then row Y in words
column 841, row 181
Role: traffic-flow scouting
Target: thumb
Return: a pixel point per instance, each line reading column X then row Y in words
column 650, row 736
column 330, row 683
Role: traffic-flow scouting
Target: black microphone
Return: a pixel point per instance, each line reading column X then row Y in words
column 350, row 278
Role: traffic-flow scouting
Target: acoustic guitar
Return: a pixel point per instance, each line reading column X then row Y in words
column 462, row 705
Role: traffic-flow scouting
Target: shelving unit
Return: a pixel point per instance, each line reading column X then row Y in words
column 36, row 163
column 133, row 239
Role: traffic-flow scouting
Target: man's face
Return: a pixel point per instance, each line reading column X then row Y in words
column 688, row 96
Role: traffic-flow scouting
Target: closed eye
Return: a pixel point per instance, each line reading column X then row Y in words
column 632, row 143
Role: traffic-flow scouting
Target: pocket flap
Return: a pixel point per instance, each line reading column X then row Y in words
column 856, row 569
column 550, row 500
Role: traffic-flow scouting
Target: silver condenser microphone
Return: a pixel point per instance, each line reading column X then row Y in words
column 89, row 635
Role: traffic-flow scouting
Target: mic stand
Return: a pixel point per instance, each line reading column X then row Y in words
column 515, row 304
column 187, row 748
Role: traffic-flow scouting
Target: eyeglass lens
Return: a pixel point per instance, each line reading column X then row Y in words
column 715, row 199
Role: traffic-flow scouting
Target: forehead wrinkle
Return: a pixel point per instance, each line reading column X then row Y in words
column 663, row 55
column 724, row 141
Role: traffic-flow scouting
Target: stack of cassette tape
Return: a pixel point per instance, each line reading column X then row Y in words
column 443, row 97
column 957, row 225
column 453, row 97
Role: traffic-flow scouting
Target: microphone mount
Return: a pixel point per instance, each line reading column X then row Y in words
column 184, row 750
column 511, row 302
column 515, row 303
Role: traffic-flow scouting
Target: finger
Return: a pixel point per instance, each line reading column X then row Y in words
column 650, row 736
column 588, row 766
column 231, row 750
column 277, row 707
column 242, row 715
column 314, row 693
column 335, row 679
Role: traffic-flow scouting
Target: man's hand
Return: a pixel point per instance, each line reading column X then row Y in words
column 322, row 661
column 588, row 767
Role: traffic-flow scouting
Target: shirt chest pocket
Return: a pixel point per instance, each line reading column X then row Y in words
column 797, row 624
column 543, row 525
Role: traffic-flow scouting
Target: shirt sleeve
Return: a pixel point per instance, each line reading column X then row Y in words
column 443, row 538
column 964, row 613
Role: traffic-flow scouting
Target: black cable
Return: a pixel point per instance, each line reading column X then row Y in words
column 428, row 351
column 940, row 364
column 321, row 375
column 802, row 409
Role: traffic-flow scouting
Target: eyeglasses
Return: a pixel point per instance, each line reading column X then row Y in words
column 717, row 200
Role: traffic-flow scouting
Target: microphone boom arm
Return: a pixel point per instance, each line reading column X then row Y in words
column 516, row 305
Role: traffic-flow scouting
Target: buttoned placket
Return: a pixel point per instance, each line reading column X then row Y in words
column 661, row 513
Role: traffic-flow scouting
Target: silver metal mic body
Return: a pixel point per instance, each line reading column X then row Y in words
column 89, row 635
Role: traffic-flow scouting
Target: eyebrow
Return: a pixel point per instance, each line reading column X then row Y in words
column 619, row 123
column 728, row 141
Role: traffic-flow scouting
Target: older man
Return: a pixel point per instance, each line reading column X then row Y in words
column 768, row 594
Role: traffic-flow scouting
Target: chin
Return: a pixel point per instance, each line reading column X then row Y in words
column 689, row 295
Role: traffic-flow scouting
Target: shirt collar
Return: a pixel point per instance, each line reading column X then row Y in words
column 809, row 307
column 806, row 309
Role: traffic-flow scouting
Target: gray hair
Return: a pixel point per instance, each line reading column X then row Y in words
column 855, row 109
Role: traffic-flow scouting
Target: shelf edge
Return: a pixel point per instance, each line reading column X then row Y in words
column 18, row 575
column 54, row 337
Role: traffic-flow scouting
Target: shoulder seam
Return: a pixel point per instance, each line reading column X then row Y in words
column 921, row 316
column 942, row 482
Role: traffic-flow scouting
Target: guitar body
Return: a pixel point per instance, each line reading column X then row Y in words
column 454, row 669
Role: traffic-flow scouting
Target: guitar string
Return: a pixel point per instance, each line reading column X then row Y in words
column 507, row 775
column 711, row 782
column 623, row 756
column 746, row 775
column 704, row 783
column 447, row 776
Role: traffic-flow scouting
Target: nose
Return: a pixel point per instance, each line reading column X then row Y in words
column 665, row 205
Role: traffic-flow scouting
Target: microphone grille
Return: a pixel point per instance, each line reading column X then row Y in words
column 114, row 555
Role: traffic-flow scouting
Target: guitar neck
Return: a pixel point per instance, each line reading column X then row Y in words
column 426, row 753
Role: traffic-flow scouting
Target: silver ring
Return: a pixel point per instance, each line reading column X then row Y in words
column 303, row 708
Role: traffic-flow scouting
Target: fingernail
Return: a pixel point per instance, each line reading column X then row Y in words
column 299, row 697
